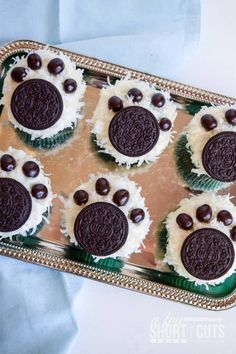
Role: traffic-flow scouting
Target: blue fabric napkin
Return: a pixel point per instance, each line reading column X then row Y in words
column 35, row 309
column 156, row 36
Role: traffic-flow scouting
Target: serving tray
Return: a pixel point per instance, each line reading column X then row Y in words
column 76, row 160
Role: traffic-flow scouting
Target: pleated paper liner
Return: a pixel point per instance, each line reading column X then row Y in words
column 46, row 143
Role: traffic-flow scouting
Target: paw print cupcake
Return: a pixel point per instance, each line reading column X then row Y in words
column 132, row 123
column 106, row 217
column 25, row 194
column 201, row 238
column 43, row 94
column 205, row 153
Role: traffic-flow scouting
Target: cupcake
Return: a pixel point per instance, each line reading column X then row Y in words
column 42, row 95
column 205, row 153
column 201, row 238
column 132, row 123
column 25, row 194
column 106, row 217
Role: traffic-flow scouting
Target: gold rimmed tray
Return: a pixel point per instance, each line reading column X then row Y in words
column 77, row 159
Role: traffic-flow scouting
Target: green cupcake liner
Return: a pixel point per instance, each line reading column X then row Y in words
column 114, row 264
column 106, row 157
column 184, row 164
column 195, row 106
column 110, row 263
column 46, row 143
column 162, row 241
column 163, row 238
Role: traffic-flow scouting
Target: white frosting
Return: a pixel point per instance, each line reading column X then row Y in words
column 103, row 116
column 195, row 128
column 176, row 235
column 137, row 232
column 72, row 103
column 39, row 206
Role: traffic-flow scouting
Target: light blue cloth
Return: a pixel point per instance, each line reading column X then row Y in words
column 155, row 36
column 35, row 309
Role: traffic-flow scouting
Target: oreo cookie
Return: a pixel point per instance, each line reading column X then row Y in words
column 101, row 228
column 207, row 254
column 36, row 104
column 219, row 157
column 134, row 131
column 15, row 205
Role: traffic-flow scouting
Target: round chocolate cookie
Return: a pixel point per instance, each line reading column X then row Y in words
column 219, row 156
column 15, row 205
column 134, row 131
column 36, row 104
column 207, row 254
column 101, row 228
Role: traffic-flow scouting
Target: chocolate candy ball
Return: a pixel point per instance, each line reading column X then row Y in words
column 135, row 94
column 230, row 116
column 8, row 163
column 18, row 74
column 34, row 61
column 30, row 169
column 137, row 215
column 165, row 124
column 208, row 122
column 56, row 66
column 204, row 213
column 81, row 197
column 158, row 100
column 121, row 197
column 184, row 221
column 39, row 191
column 225, row 217
column 70, row 85
column 102, row 186
column 233, row 233
column 115, row 103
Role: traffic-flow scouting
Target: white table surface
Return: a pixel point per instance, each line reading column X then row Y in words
column 113, row 320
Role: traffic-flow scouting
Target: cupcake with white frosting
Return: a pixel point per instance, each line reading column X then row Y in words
column 106, row 216
column 25, row 194
column 42, row 94
column 205, row 152
column 133, row 122
column 201, row 238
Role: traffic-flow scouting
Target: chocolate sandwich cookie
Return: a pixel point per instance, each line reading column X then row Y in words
column 101, row 228
column 207, row 254
column 132, row 123
column 219, row 156
column 203, row 250
column 206, row 153
column 106, row 217
column 134, row 131
column 15, row 205
column 42, row 96
column 36, row 104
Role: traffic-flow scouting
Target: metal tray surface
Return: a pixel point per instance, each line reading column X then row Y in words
column 160, row 183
